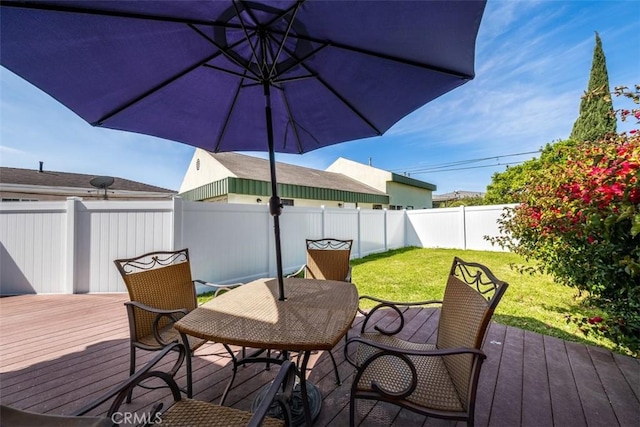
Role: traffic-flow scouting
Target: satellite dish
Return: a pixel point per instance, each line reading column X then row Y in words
column 102, row 182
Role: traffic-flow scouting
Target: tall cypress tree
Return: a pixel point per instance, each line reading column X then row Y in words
column 596, row 117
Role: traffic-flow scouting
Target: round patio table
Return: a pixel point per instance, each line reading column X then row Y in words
column 314, row 317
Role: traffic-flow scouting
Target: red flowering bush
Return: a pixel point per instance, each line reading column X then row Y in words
column 580, row 220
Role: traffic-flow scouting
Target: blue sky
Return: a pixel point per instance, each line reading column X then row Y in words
column 532, row 65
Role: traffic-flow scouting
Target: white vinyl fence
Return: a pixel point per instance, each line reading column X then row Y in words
column 69, row 246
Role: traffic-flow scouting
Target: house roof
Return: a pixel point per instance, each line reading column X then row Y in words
column 254, row 168
column 412, row 182
column 456, row 195
column 33, row 177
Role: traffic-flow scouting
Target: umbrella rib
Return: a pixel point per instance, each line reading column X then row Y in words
column 227, row 119
column 152, row 90
column 244, row 29
column 337, row 94
column 295, row 78
column 442, row 70
column 116, row 14
column 300, row 60
column 224, row 51
column 284, row 13
column 234, row 73
column 293, row 123
column 284, row 37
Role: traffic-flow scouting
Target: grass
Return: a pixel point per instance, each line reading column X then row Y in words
column 532, row 302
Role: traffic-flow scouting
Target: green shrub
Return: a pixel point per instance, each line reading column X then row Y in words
column 580, row 220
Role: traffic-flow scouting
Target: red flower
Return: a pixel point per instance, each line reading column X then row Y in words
column 595, row 319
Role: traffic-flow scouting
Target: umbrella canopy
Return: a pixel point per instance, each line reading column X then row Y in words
column 277, row 76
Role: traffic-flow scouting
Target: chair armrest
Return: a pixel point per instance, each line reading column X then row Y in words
column 279, row 392
column 297, row 272
column 172, row 315
column 393, row 305
column 427, row 353
column 397, row 356
column 156, row 310
column 122, row 390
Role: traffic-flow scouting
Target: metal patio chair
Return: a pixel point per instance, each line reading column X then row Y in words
column 327, row 259
column 182, row 411
column 161, row 290
column 437, row 380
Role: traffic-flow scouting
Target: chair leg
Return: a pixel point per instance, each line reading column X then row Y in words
column 188, row 353
column 233, row 376
column 352, row 411
column 132, row 367
column 335, row 368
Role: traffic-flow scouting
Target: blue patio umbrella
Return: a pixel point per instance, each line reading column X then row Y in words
column 277, row 76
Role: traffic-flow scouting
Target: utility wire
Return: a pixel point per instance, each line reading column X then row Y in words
column 438, row 166
column 469, row 167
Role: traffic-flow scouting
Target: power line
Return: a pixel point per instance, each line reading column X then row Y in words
column 469, row 167
column 438, row 166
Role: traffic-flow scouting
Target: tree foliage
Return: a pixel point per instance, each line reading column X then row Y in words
column 466, row 201
column 579, row 218
column 507, row 186
column 596, row 118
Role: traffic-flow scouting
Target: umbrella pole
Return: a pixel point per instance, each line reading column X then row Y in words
column 275, row 207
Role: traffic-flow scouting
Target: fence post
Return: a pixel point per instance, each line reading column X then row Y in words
column 386, row 230
column 359, row 232
column 177, row 223
column 69, row 246
column 323, row 222
column 463, row 219
column 405, row 230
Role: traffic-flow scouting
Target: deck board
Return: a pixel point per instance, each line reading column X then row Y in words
column 595, row 402
column 60, row 352
column 536, row 406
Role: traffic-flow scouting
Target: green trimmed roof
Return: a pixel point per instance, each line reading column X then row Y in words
column 252, row 187
column 413, row 182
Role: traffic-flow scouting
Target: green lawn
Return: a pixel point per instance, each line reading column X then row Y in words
column 534, row 303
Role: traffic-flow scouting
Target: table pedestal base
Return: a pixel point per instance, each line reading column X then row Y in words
column 297, row 409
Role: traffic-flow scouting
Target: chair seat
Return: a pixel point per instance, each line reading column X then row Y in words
column 193, row 413
column 434, row 390
column 170, row 334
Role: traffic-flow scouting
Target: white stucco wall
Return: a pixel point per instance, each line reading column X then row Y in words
column 373, row 177
column 399, row 194
column 210, row 170
column 301, row 203
column 406, row 195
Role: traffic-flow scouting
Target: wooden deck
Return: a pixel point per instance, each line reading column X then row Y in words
column 60, row 352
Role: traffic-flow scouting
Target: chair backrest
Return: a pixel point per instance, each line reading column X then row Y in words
column 328, row 259
column 160, row 280
column 470, row 298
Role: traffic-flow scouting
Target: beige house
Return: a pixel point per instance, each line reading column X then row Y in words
column 41, row 185
column 404, row 192
column 238, row 178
